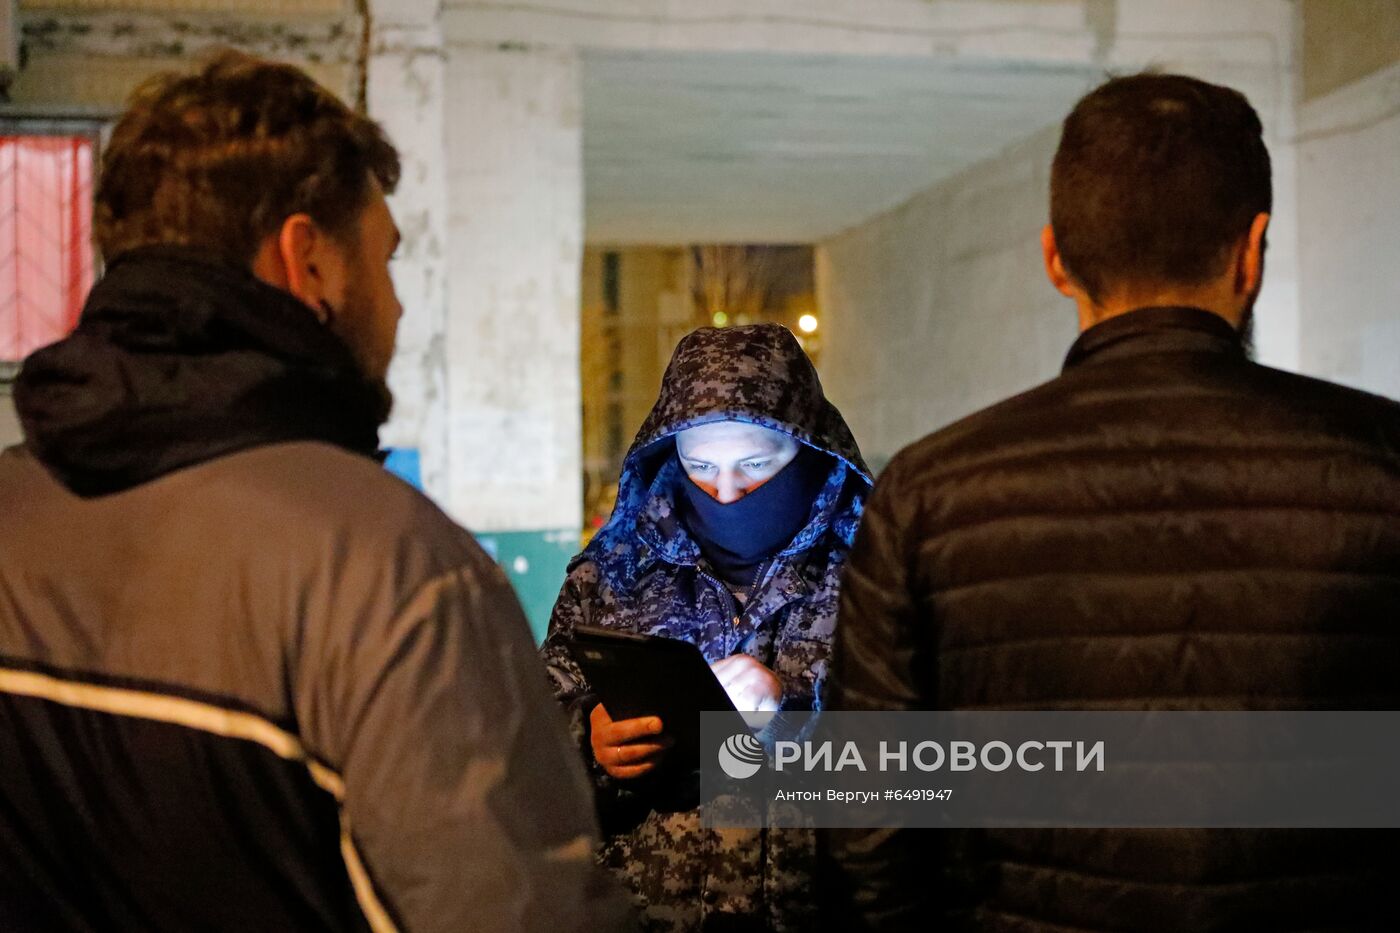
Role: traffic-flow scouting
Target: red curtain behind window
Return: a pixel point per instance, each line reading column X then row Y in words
column 45, row 239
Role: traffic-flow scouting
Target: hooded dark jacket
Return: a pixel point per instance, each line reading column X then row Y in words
column 248, row 679
column 1166, row 525
column 644, row 573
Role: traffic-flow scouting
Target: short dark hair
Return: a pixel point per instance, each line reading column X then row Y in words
column 220, row 158
column 1156, row 176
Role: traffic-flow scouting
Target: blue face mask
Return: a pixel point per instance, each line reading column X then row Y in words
column 737, row 537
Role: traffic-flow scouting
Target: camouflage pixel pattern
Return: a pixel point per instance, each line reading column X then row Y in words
column 643, row 573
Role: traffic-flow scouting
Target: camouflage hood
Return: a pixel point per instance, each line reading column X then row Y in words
column 756, row 373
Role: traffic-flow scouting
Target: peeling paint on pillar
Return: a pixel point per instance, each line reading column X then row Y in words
column 127, row 35
column 515, row 257
column 91, row 61
column 404, row 92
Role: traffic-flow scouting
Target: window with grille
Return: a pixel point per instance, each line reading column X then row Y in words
column 46, row 255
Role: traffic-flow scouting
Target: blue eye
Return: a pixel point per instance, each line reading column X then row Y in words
column 757, row 465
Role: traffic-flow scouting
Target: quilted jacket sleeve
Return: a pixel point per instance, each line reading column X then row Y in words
column 877, row 664
column 573, row 607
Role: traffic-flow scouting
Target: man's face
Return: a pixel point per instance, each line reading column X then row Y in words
column 367, row 313
column 730, row 459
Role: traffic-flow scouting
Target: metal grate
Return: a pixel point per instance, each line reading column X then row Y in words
column 46, row 259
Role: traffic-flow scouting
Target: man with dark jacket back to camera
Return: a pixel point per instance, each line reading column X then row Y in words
column 249, row 680
column 1166, row 525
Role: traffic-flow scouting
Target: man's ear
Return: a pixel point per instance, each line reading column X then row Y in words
column 1249, row 267
column 301, row 249
column 292, row 259
column 1054, row 266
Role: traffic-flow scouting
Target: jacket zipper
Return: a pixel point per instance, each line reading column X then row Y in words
column 727, row 596
column 735, row 613
column 759, row 578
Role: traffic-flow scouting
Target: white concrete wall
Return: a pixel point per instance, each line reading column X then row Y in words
column 514, row 255
column 1349, row 183
column 941, row 306
column 404, row 86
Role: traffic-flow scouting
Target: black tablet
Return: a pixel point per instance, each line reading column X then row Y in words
column 643, row 675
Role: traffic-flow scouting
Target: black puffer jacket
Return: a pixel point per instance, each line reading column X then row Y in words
column 1167, row 525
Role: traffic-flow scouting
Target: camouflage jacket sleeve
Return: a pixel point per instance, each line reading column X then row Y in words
column 574, row 606
column 617, row 802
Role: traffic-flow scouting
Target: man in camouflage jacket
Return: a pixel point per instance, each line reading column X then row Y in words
column 644, row 573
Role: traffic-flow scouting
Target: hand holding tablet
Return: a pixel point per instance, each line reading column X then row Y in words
column 627, row 748
column 653, row 691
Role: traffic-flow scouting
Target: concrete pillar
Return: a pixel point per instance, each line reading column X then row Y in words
column 1349, row 192
column 404, row 80
column 512, row 346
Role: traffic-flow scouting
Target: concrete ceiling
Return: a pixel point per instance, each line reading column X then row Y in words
column 758, row 147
